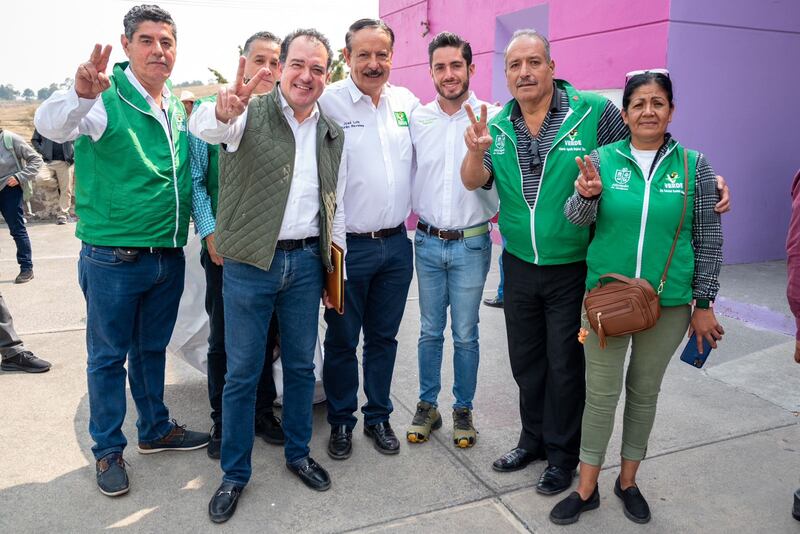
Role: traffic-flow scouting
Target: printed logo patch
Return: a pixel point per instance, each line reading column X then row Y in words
column 400, row 117
column 673, row 183
column 180, row 122
column 571, row 142
column 621, row 179
column 499, row 145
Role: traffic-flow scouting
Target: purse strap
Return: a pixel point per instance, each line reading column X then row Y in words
column 680, row 223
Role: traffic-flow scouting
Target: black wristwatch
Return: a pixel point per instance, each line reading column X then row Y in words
column 703, row 304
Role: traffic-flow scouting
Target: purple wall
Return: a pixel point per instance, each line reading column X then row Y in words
column 722, row 54
column 736, row 68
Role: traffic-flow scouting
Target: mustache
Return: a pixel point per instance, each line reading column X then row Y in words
column 373, row 72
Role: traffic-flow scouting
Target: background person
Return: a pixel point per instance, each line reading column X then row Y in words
column 59, row 158
column 633, row 190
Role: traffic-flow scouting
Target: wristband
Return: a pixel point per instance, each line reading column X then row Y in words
column 702, row 304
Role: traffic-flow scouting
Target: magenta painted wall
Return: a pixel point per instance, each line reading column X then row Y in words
column 736, row 68
column 734, row 63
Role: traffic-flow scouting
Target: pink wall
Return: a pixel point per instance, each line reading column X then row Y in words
column 590, row 40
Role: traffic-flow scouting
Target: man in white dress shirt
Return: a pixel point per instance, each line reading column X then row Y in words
column 452, row 246
column 280, row 206
column 375, row 117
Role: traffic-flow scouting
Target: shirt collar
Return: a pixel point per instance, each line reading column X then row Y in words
column 289, row 112
column 356, row 94
column 556, row 103
column 472, row 100
column 165, row 94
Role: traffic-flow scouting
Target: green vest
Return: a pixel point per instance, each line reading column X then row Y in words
column 133, row 187
column 637, row 220
column 542, row 235
column 212, row 172
column 255, row 182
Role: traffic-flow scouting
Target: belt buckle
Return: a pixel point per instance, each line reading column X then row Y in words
column 439, row 233
column 372, row 235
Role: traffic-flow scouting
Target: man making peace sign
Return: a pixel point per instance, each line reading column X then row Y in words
column 133, row 200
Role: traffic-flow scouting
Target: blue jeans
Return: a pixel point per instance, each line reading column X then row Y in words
column 450, row 273
column 379, row 272
column 13, row 213
column 131, row 309
column 292, row 288
column 502, row 276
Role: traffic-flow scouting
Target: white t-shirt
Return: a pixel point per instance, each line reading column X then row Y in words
column 645, row 160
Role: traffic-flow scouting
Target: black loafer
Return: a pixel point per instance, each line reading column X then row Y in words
column 570, row 509
column 311, row 473
column 516, row 459
column 223, row 503
column 796, row 506
column 268, row 427
column 554, row 480
column 383, row 437
column 635, row 506
column 340, row 446
column 494, row 302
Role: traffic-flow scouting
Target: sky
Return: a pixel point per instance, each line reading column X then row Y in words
column 44, row 41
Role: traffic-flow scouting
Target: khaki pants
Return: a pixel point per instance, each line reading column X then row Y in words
column 63, row 172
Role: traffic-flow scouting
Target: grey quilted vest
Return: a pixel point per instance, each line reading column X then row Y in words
column 254, row 183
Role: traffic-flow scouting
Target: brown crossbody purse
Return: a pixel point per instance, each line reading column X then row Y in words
column 628, row 305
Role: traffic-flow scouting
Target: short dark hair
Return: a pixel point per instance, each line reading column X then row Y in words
column 444, row 39
column 646, row 78
column 360, row 24
column 260, row 36
column 309, row 33
column 144, row 13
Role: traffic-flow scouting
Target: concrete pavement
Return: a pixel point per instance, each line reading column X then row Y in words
column 723, row 454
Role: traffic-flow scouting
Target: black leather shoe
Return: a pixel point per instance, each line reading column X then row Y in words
column 554, row 480
column 570, row 509
column 223, row 503
column 494, row 302
column 268, row 427
column 340, row 446
column 311, row 473
column 796, row 506
column 383, row 437
column 516, row 459
column 635, row 506
column 215, row 442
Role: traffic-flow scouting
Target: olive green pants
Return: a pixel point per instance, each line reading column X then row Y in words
column 651, row 351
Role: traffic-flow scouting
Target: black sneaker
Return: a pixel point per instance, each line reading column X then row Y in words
column 26, row 275
column 269, row 428
column 214, row 442
column 112, row 480
column 570, row 509
column 25, row 361
column 177, row 439
column 635, row 506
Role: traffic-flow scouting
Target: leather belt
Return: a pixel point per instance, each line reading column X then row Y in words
column 292, row 244
column 451, row 235
column 386, row 232
column 149, row 250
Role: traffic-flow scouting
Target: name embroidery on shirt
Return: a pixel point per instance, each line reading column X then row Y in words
column 352, row 124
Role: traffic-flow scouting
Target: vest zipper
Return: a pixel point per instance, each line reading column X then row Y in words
column 645, row 205
column 172, row 156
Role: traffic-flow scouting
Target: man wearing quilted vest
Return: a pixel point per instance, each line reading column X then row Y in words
column 527, row 151
column 280, row 207
column 133, row 200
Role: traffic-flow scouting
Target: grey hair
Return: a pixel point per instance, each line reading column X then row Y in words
column 308, row 33
column 533, row 34
column 144, row 13
column 260, row 36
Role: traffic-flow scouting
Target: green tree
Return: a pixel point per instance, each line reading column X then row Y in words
column 339, row 68
column 220, row 78
column 7, row 92
column 27, row 94
column 45, row 92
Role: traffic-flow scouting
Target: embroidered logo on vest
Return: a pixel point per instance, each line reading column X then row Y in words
column 621, row 179
column 499, row 145
column 673, row 184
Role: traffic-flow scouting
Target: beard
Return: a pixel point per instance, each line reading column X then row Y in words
column 461, row 91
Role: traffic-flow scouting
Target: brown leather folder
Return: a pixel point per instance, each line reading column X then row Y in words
column 334, row 280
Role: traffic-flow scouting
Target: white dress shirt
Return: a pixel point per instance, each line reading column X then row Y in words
column 301, row 217
column 378, row 152
column 438, row 195
column 65, row 116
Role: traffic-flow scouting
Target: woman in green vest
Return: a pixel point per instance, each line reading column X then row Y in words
column 633, row 191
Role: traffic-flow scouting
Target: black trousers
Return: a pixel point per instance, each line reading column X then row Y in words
column 217, row 359
column 543, row 316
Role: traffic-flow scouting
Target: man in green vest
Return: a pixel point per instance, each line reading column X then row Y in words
column 280, row 208
column 261, row 50
column 133, row 201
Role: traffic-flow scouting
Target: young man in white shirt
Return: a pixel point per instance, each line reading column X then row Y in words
column 452, row 245
column 375, row 117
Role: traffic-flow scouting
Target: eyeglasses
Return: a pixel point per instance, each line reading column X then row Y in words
column 533, row 152
column 631, row 74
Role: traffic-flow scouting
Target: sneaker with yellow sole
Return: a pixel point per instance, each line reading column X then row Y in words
column 426, row 420
column 464, row 434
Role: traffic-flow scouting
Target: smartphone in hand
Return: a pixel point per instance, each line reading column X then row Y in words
column 690, row 354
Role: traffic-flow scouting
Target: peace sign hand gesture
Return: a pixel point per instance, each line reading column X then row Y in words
column 91, row 78
column 233, row 100
column 477, row 135
column 588, row 183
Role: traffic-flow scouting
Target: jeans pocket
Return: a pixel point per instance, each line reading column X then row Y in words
column 101, row 256
column 313, row 248
column 478, row 243
column 419, row 238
